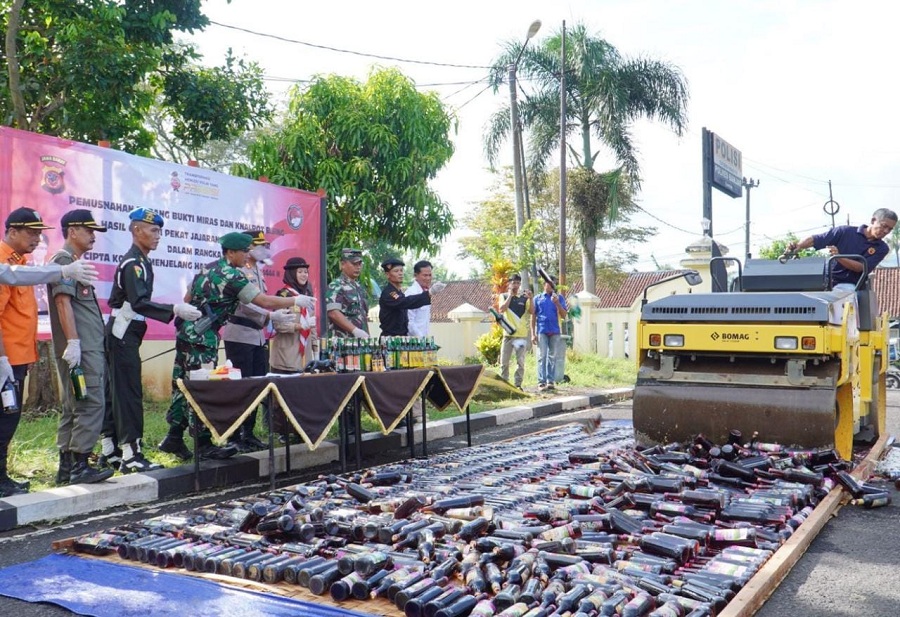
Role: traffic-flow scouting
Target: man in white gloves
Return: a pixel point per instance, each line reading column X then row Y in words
column 82, row 271
column 244, row 335
column 131, row 305
column 345, row 300
column 77, row 326
column 218, row 290
column 18, row 329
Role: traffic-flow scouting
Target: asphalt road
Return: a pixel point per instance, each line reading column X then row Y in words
column 850, row 568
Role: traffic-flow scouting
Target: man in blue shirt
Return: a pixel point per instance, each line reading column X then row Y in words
column 547, row 310
column 865, row 240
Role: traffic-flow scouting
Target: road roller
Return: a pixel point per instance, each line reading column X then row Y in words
column 780, row 354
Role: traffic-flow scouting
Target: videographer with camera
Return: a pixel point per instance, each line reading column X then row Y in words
column 217, row 292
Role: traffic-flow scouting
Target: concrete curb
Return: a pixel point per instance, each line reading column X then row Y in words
column 64, row 502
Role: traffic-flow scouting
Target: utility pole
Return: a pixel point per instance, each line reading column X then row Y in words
column 748, row 185
column 562, row 160
column 518, row 151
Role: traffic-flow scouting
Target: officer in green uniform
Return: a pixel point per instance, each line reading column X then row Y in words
column 216, row 292
column 131, row 304
column 345, row 299
column 77, row 326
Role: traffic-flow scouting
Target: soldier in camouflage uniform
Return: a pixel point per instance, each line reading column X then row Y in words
column 217, row 292
column 345, row 299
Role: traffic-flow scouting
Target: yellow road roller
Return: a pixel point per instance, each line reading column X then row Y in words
column 780, row 354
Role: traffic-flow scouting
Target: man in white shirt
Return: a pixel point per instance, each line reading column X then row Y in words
column 420, row 318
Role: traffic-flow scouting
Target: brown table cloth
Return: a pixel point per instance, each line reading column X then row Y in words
column 311, row 404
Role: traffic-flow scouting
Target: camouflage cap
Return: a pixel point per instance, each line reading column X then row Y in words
column 351, row 255
column 235, row 241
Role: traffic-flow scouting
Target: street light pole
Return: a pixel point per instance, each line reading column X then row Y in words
column 562, row 161
column 748, row 185
column 518, row 151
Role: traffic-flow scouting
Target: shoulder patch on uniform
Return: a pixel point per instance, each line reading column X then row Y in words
column 395, row 295
column 138, row 271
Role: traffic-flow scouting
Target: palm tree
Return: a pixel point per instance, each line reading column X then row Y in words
column 894, row 242
column 605, row 93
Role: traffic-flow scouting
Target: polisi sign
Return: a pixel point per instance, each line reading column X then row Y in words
column 730, row 337
column 727, row 164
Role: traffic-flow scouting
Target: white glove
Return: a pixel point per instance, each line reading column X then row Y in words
column 72, row 354
column 6, row 372
column 304, row 301
column 360, row 333
column 82, row 271
column 281, row 315
column 437, row 287
column 187, row 312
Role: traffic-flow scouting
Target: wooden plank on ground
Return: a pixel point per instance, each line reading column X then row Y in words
column 758, row 589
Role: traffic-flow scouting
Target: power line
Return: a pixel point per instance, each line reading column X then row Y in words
column 666, row 223
column 349, row 51
column 480, row 92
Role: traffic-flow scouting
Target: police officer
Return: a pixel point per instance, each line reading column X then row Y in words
column 394, row 304
column 131, row 305
column 217, row 291
column 77, row 326
column 345, row 299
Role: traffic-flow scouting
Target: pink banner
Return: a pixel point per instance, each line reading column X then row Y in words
column 54, row 176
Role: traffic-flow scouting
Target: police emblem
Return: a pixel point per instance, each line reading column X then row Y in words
column 139, row 272
column 871, row 250
column 294, row 216
column 53, row 174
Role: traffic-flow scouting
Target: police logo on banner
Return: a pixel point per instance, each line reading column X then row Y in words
column 52, row 175
column 294, row 217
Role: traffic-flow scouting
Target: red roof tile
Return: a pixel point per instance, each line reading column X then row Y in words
column 478, row 292
column 475, row 292
column 630, row 290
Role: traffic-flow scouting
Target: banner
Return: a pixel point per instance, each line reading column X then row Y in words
column 54, row 176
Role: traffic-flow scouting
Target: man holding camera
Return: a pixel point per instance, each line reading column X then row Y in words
column 515, row 307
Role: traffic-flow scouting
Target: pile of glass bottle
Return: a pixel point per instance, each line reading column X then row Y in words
column 379, row 354
column 560, row 522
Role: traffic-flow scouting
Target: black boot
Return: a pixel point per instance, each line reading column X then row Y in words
column 8, row 486
column 83, row 473
column 250, row 442
column 208, row 450
column 174, row 444
column 65, row 468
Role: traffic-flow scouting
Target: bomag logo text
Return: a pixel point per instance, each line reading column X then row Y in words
column 730, row 336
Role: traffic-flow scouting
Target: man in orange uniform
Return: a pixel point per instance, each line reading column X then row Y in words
column 18, row 329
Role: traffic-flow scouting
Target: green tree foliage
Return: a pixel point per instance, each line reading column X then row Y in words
column 779, row 246
column 606, row 93
column 493, row 236
column 372, row 147
column 92, row 70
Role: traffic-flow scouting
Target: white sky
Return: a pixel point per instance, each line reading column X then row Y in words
column 804, row 89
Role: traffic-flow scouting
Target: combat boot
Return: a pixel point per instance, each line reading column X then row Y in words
column 65, row 468
column 83, row 473
column 174, row 444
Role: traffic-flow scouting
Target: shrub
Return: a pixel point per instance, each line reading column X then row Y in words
column 488, row 345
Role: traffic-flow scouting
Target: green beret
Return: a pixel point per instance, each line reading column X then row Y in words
column 235, row 241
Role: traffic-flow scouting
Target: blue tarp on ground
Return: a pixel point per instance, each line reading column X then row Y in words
column 103, row 589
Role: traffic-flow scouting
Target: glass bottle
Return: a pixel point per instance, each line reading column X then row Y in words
column 79, row 386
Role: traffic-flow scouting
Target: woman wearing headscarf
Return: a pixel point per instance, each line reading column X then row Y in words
column 295, row 342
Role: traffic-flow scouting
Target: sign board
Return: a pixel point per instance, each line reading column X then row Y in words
column 199, row 206
column 727, row 170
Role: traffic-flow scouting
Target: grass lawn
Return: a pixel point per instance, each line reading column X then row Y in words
column 33, row 454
